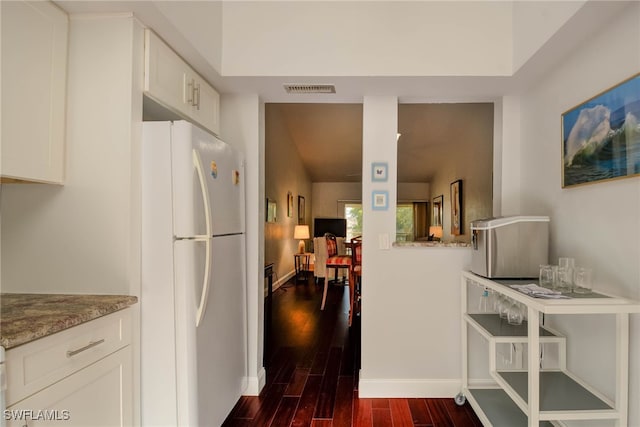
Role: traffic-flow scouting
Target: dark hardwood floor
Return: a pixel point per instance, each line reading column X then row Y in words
column 312, row 361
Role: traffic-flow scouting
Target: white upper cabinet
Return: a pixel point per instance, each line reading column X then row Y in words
column 34, row 74
column 203, row 102
column 170, row 81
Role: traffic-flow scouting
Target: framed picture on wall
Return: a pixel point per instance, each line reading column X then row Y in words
column 301, row 210
column 379, row 172
column 380, row 200
column 438, row 205
column 600, row 137
column 271, row 210
column 456, row 207
column 289, row 204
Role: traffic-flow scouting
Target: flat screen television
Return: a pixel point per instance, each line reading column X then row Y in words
column 336, row 226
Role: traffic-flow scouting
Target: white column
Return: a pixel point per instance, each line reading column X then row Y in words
column 242, row 125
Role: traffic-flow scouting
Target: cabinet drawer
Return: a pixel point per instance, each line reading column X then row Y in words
column 36, row 365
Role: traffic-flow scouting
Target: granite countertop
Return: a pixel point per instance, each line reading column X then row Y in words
column 27, row 317
column 432, row 244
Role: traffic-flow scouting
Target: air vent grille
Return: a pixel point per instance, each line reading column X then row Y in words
column 309, row 88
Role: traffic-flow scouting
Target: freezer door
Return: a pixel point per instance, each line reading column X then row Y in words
column 225, row 182
column 221, row 337
column 222, row 171
column 189, row 185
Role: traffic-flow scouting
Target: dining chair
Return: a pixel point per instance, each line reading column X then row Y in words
column 335, row 262
column 355, row 274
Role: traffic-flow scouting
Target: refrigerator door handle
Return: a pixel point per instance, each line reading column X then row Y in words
column 202, row 307
column 197, row 163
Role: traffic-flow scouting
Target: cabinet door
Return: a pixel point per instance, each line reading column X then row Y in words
column 165, row 74
column 206, row 104
column 174, row 84
column 98, row 395
column 34, row 73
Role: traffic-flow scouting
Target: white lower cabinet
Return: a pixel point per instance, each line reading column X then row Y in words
column 98, row 395
column 82, row 376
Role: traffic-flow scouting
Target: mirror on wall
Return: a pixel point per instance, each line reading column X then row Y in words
column 440, row 144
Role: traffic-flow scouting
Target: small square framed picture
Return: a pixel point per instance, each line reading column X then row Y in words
column 379, row 172
column 380, row 200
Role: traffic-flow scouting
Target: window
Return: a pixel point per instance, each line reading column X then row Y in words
column 405, row 221
column 353, row 214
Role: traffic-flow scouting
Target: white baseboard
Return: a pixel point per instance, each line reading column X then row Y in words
column 283, row 280
column 407, row 388
column 256, row 384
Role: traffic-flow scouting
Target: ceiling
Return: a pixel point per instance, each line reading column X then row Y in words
column 329, row 137
column 327, row 129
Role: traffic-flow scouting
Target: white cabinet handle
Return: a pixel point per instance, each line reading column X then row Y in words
column 92, row 344
column 191, row 92
column 196, row 96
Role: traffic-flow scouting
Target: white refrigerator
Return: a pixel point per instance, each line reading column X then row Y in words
column 193, row 298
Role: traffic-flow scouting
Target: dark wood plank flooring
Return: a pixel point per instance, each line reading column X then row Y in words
column 312, row 361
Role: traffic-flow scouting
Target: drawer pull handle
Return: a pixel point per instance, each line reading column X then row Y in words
column 92, row 344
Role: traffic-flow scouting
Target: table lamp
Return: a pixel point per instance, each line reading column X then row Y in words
column 435, row 232
column 301, row 232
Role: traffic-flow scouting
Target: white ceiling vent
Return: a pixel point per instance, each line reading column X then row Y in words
column 309, row 88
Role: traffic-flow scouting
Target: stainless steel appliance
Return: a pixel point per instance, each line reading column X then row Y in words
column 510, row 247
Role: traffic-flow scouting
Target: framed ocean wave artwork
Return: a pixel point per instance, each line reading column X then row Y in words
column 601, row 136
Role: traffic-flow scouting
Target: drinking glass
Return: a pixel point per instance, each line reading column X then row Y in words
column 564, row 282
column 548, row 275
column 582, row 280
column 565, row 262
column 515, row 315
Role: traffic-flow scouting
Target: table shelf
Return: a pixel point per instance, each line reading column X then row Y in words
column 561, row 396
column 492, row 327
column 494, row 407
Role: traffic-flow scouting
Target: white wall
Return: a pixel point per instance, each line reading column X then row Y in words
column 326, row 196
column 598, row 224
column 411, row 296
column 535, row 22
column 284, row 173
column 350, row 38
column 201, row 25
column 413, row 191
column 242, row 124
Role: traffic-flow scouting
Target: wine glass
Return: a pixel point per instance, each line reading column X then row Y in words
column 503, row 307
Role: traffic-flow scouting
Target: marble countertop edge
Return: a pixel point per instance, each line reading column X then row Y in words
column 431, row 244
column 27, row 317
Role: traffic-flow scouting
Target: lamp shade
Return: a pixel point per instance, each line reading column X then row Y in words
column 301, row 232
column 435, row 232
